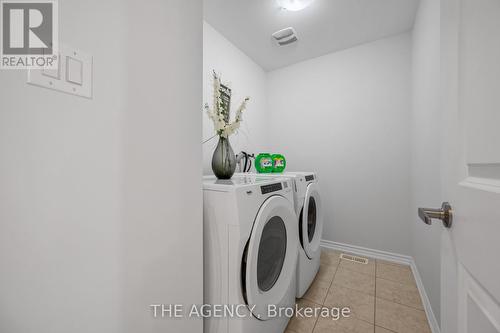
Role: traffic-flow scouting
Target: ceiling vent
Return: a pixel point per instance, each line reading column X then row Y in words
column 285, row 36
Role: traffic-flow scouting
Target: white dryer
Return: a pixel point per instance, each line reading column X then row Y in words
column 308, row 207
column 250, row 251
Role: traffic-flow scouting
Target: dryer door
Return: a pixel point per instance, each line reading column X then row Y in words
column 311, row 221
column 271, row 256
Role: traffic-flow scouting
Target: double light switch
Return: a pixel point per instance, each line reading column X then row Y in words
column 73, row 74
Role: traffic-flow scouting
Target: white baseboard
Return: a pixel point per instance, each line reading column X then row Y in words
column 425, row 299
column 363, row 251
column 392, row 257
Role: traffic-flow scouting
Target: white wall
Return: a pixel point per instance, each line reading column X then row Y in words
column 246, row 79
column 346, row 115
column 163, row 233
column 426, row 147
column 98, row 198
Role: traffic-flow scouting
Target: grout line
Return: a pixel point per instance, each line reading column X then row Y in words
column 393, row 301
column 351, row 270
column 394, row 260
column 391, row 280
column 337, row 267
column 399, row 281
column 400, row 304
column 361, row 319
column 346, row 287
column 331, row 283
column 327, row 291
column 385, row 328
column 405, row 305
column 356, row 290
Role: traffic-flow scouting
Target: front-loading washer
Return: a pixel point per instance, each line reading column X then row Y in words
column 250, row 251
column 308, row 207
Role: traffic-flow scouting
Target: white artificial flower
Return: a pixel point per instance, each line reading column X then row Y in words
column 221, row 127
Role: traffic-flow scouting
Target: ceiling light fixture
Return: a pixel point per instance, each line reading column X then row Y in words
column 294, row 5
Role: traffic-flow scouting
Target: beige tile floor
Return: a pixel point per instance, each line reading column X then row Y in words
column 383, row 298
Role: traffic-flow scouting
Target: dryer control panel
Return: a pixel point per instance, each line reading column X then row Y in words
column 309, row 178
column 271, row 188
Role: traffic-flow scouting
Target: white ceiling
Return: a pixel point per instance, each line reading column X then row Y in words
column 324, row 27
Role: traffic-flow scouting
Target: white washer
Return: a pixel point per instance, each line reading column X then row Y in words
column 308, row 207
column 250, row 251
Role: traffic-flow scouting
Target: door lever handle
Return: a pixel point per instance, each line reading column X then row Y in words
column 444, row 214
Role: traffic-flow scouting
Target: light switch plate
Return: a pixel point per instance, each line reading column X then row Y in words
column 74, row 70
column 53, row 73
column 74, row 75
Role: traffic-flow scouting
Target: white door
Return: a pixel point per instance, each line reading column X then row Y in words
column 470, row 256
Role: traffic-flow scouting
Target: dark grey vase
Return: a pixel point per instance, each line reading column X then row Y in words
column 223, row 161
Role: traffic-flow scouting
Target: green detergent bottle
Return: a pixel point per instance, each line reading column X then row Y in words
column 279, row 163
column 264, row 163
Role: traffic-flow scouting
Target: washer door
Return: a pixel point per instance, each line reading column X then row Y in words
column 311, row 221
column 271, row 255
